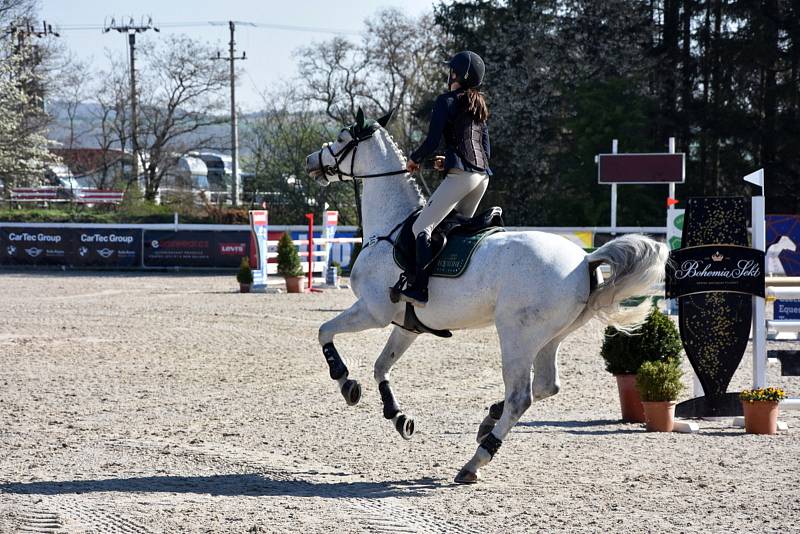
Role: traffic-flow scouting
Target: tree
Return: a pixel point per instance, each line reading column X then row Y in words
column 279, row 138
column 72, row 91
column 23, row 146
column 540, row 56
column 11, row 10
column 288, row 259
column 396, row 65
column 180, row 96
column 112, row 125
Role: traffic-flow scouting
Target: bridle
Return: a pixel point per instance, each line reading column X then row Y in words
column 350, row 146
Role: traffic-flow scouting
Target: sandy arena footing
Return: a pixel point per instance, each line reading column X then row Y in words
column 169, row 403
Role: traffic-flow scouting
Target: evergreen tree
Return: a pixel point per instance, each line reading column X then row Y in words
column 565, row 77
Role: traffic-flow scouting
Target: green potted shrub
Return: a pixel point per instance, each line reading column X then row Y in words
column 244, row 276
column 659, row 384
column 655, row 340
column 289, row 264
column 760, row 408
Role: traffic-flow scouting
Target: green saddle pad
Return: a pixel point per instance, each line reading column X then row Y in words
column 454, row 259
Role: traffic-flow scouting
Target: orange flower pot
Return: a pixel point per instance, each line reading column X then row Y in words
column 294, row 284
column 760, row 417
column 659, row 416
column 629, row 399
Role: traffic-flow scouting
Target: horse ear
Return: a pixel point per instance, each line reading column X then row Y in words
column 360, row 118
column 383, row 121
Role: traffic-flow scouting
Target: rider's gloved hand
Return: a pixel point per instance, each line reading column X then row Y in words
column 438, row 163
column 412, row 166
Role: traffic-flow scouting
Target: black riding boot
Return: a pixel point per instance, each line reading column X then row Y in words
column 417, row 293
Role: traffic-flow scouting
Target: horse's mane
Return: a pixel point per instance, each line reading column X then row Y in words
column 392, row 144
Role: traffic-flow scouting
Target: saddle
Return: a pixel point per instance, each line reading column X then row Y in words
column 455, row 227
column 463, row 234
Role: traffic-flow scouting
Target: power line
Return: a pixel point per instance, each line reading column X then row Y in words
column 196, row 24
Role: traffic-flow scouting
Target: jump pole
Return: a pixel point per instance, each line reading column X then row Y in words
column 760, row 324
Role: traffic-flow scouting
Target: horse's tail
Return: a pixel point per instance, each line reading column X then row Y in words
column 637, row 264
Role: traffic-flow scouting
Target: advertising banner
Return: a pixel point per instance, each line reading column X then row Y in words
column 230, row 247
column 35, row 246
column 715, row 268
column 195, row 248
column 783, row 245
column 115, row 247
column 164, row 248
column 786, row 310
column 715, row 275
column 674, row 228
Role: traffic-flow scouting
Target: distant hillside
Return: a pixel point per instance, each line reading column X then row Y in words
column 87, row 128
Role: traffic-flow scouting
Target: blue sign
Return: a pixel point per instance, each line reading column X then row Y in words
column 786, row 310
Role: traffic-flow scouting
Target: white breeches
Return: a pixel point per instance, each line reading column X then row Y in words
column 461, row 191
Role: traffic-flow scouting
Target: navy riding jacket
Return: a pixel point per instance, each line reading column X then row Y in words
column 445, row 110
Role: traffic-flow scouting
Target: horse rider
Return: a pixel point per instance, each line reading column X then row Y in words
column 459, row 115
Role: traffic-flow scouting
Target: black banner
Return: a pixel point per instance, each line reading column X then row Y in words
column 230, row 247
column 116, row 247
column 163, row 248
column 714, row 323
column 708, row 268
column 122, row 247
column 192, row 248
column 35, row 246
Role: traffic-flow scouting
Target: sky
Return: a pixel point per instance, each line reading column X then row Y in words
column 269, row 51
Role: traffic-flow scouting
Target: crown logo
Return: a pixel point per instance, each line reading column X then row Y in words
column 717, row 256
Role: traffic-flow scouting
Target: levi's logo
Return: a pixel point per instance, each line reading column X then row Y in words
column 232, row 249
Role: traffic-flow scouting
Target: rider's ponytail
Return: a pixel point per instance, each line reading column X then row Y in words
column 475, row 104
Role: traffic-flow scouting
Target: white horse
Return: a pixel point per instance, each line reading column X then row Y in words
column 535, row 287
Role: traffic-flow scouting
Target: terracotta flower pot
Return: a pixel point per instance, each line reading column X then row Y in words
column 629, row 399
column 294, row 284
column 760, row 417
column 244, row 288
column 660, row 415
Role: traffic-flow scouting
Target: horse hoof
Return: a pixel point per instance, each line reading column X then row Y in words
column 351, row 391
column 405, row 426
column 465, row 476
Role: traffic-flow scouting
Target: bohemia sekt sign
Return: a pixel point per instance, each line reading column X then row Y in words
column 715, row 268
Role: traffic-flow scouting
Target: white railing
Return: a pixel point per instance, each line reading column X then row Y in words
column 319, row 262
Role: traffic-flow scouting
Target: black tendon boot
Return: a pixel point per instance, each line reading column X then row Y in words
column 417, row 293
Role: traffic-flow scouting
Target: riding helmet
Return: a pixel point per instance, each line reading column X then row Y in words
column 469, row 68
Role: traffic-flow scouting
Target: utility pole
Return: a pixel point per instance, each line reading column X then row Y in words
column 22, row 33
column 232, row 58
column 131, row 29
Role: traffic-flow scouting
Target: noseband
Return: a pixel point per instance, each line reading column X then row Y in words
column 351, row 146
